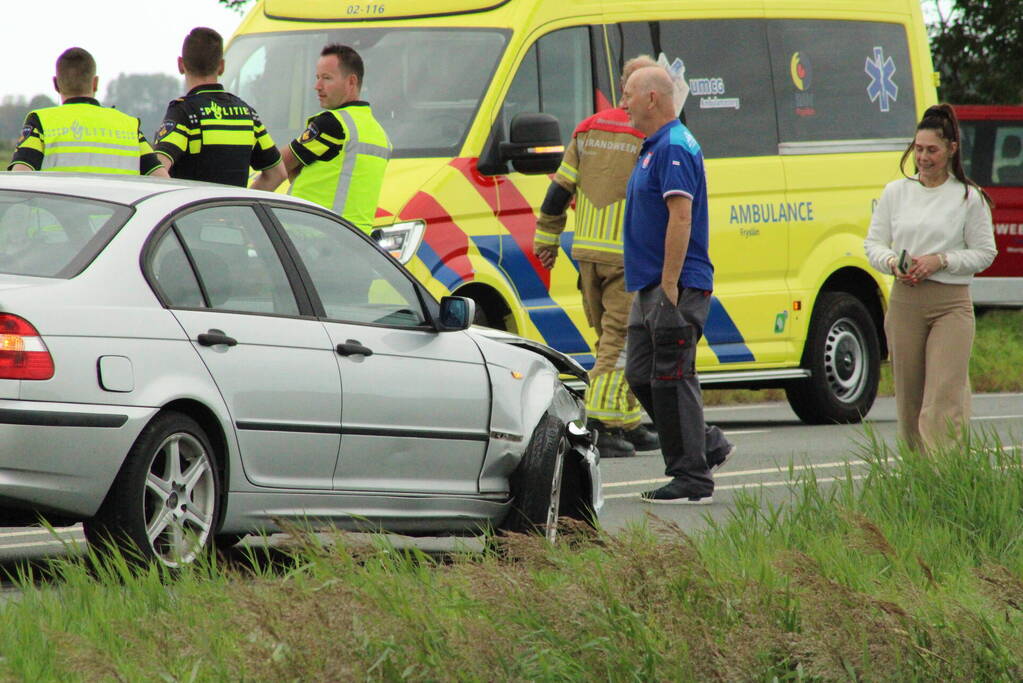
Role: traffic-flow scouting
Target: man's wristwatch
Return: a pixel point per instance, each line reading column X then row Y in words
column 944, row 260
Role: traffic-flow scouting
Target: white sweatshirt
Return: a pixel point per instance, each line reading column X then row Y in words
column 930, row 220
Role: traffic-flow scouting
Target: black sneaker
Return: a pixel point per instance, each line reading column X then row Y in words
column 716, row 460
column 643, row 438
column 675, row 494
column 611, row 441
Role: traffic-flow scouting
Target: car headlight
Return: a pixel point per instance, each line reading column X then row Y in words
column 401, row 239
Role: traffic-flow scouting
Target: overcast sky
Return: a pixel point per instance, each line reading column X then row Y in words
column 125, row 36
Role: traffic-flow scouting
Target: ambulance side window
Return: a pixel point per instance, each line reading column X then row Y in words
column 730, row 107
column 841, row 81
column 555, row 77
column 524, row 94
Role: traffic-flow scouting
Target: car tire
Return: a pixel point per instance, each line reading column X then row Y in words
column 843, row 355
column 164, row 503
column 536, row 482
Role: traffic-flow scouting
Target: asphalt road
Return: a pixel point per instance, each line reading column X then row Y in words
column 769, row 439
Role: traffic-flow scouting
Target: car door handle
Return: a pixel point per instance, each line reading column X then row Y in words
column 353, row 347
column 214, row 337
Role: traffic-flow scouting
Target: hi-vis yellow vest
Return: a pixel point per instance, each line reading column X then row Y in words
column 349, row 184
column 86, row 138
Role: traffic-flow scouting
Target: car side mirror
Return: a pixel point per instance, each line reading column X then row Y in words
column 456, row 313
column 535, row 145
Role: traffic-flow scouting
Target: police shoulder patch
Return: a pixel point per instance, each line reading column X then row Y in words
column 309, row 133
column 166, row 129
column 26, row 133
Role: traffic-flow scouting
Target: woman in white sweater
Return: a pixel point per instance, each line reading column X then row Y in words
column 932, row 231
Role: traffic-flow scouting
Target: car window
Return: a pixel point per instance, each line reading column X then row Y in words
column 968, row 142
column 555, row 77
column 356, row 282
column 173, row 274
column 238, row 267
column 1008, row 155
column 43, row 235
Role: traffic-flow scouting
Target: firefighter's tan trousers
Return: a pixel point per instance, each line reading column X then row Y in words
column 607, row 306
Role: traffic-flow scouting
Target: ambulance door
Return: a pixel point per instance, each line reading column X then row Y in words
column 846, row 109
column 731, row 113
column 555, row 76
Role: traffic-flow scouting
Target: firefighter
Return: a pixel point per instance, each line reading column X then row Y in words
column 79, row 135
column 340, row 158
column 210, row 134
column 595, row 171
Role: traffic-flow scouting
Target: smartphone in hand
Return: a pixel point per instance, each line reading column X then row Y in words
column 903, row 264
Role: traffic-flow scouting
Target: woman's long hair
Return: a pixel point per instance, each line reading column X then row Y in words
column 942, row 119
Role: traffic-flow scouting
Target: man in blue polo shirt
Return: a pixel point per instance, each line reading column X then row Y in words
column 667, row 265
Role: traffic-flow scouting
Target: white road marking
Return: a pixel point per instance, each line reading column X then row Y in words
column 731, row 432
column 996, row 417
column 753, row 484
column 742, row 473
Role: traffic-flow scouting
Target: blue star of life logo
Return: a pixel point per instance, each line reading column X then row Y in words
column 881, row 87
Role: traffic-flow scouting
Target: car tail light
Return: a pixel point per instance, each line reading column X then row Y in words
column 23, row 355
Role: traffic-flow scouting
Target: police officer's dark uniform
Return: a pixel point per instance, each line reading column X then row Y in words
column 212, row 135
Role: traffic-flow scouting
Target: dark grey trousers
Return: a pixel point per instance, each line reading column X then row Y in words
column 661, row 369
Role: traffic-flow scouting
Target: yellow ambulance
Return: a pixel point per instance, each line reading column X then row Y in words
column 802, row 109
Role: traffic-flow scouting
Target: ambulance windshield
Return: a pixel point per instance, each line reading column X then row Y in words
column 424, row 85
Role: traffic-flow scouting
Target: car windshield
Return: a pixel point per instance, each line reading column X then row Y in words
column 424, row 85
column 52, row 236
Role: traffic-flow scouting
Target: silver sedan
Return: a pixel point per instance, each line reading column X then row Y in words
column 184, row 363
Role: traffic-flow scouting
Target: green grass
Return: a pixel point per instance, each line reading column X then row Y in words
column 996, row 365
column 909, row 568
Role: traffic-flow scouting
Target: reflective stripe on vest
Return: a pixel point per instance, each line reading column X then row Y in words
column 598, row 229
column 350, row 183
column 87, row 138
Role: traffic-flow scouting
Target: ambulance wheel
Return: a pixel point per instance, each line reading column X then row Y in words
column 843, row 355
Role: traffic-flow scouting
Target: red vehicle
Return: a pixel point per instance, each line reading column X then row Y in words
column 993, row 156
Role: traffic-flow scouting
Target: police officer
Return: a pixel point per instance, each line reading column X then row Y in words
column 79, row 135
column 595, row 171
column 210, row 134
column 340, row 158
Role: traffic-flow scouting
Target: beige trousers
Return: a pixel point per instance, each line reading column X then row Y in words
column 607, row 305
column 930, row 331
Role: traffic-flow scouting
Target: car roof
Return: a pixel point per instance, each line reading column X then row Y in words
column 124, row 189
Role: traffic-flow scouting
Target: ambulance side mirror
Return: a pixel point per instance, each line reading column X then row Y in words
column 535, row 145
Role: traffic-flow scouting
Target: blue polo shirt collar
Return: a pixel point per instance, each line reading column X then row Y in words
column 662, row 132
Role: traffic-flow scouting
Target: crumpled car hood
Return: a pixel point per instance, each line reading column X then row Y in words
column 564, row 364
